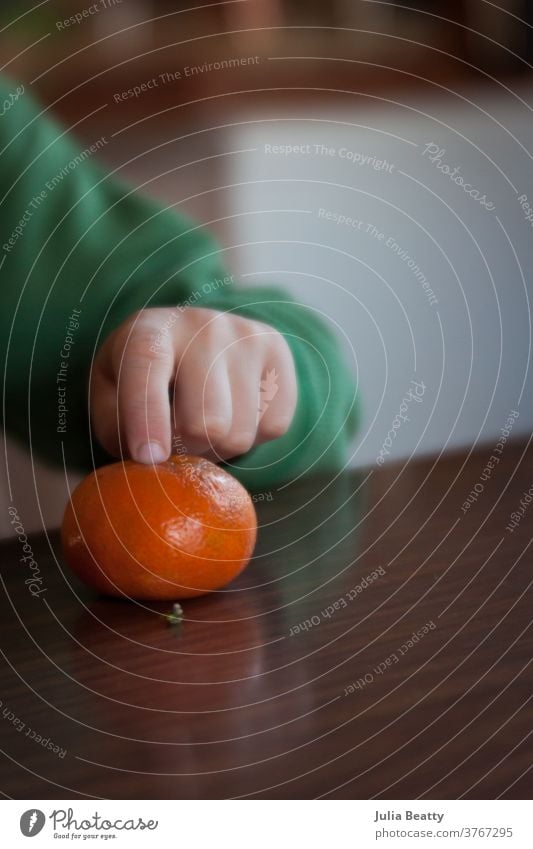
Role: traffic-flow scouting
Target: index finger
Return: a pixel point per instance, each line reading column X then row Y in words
column 143, row 371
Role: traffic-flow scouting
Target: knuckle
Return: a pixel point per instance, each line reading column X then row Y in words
column 144, row 336
column 253, row 332
column 238, row 443
column 212, row 429
column 145, row 350
column 205, row 320
column 275, row 428
column 216, row 428
column 206, row 329
column 242, row 326
column 194, row 432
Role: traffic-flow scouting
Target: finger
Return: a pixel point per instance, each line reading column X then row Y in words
column 144, row 371
column 278, row 393
column 245, row 375
column 202, row 402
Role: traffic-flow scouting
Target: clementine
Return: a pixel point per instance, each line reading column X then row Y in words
column 175, row 530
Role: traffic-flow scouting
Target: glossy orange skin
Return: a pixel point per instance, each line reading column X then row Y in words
column 171, row 531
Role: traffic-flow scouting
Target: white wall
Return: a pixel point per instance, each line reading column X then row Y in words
column 472, row 348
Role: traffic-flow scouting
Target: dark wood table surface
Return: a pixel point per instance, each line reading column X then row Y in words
column 303, row 679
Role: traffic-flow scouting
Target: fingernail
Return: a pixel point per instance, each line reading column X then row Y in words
column 151, row 452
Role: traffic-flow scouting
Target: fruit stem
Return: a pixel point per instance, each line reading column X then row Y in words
column 176, row 615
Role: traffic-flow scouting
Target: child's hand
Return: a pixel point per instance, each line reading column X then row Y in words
column 196, row 380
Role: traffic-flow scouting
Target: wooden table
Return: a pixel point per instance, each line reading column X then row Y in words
column 303, row 679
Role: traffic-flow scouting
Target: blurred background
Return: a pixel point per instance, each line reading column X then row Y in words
column 325, row 144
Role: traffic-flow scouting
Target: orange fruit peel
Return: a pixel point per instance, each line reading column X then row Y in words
column 171, row 531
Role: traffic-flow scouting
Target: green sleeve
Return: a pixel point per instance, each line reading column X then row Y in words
column 80, row 251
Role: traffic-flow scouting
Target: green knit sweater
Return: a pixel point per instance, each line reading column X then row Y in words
column 80, row 251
